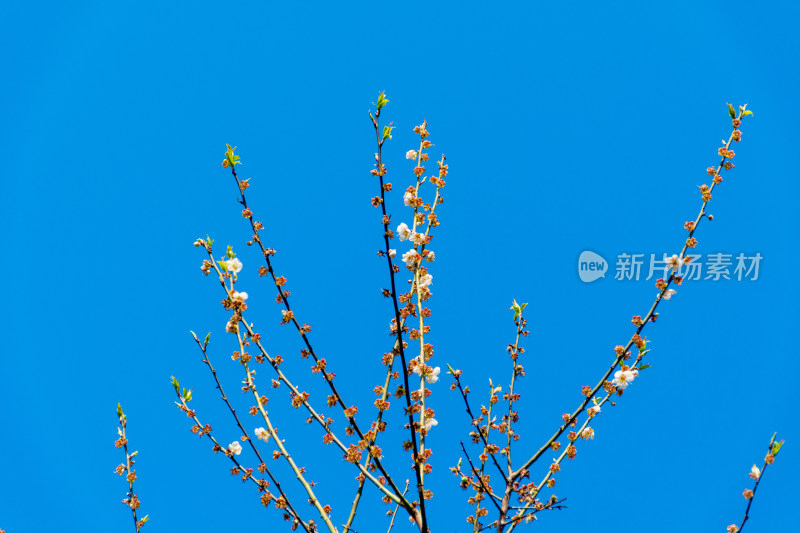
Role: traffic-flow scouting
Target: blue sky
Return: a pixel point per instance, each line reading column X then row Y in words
column 567, row 126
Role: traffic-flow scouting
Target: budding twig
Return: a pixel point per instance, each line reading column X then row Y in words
column 690, row 242
column 205, row 430
column 394, row 494
column 289, row 508
column 131, row 500
column 283, row 296
column 420, row 517
column 772, row 450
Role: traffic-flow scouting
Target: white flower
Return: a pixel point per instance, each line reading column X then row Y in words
column 675, row 262
column 419, row 238
column 433, row 375
column 623, row 378
column 392, row 253
column 239, row 295
column 262, row 434
column 587, row 433
column 403, row 232
column 429, row 423
column 233, row 265
column 232, row 327
column 410, row 257
column 669, row 293
column 430, row 256
column 407, row 198
column 755, row 472
column 235, row 448
column 594, row 410
column 425, row 280
column 411, row 154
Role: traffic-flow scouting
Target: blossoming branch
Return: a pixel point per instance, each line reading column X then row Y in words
column 126, row 469
column 410, row 376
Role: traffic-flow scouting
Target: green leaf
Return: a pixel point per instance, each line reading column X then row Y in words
column 517, row 308
column 175, row 384
column 777, row 447
column 208, row 339
column 746, row 112
column 120, row 414
column 642, row 367
column 230, row 157
column 387, row 132
column 229, row 252
column 731, row 111
column 382, row 101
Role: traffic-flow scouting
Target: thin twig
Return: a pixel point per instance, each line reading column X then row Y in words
column 290, row 509
column 650, row 314
column 769, row 459
column 421, row 519
column 202, row 430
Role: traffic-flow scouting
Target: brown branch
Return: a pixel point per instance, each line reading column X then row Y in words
column 206, row 430
column 772, row 451
column 647, row 318
column 283, row 296
column 479, row 473
column 132, row 501
column 421, row 519
column 395, row 494
column 290, row 509
column 457, row 376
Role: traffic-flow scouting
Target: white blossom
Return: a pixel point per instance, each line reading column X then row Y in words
column 410, row 257
column 675, row 262
column 587, row 433
column 419, row 238
column 262, row 434
column 429, row 423
column 392, row 253
column 407, row 199
column 411, row 154
column 594, row 410
column 233, row 265
column 755, row 472
column 623, row 378
column 433, row 375
column 669, row 293
column 235, row 448
column 403, row 232
column 426, row 280
column 430, row 256
column 239, row 295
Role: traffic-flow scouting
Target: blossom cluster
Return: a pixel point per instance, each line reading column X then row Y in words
column 493, row 480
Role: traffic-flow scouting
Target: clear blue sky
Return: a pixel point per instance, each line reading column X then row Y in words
column 568, row 127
